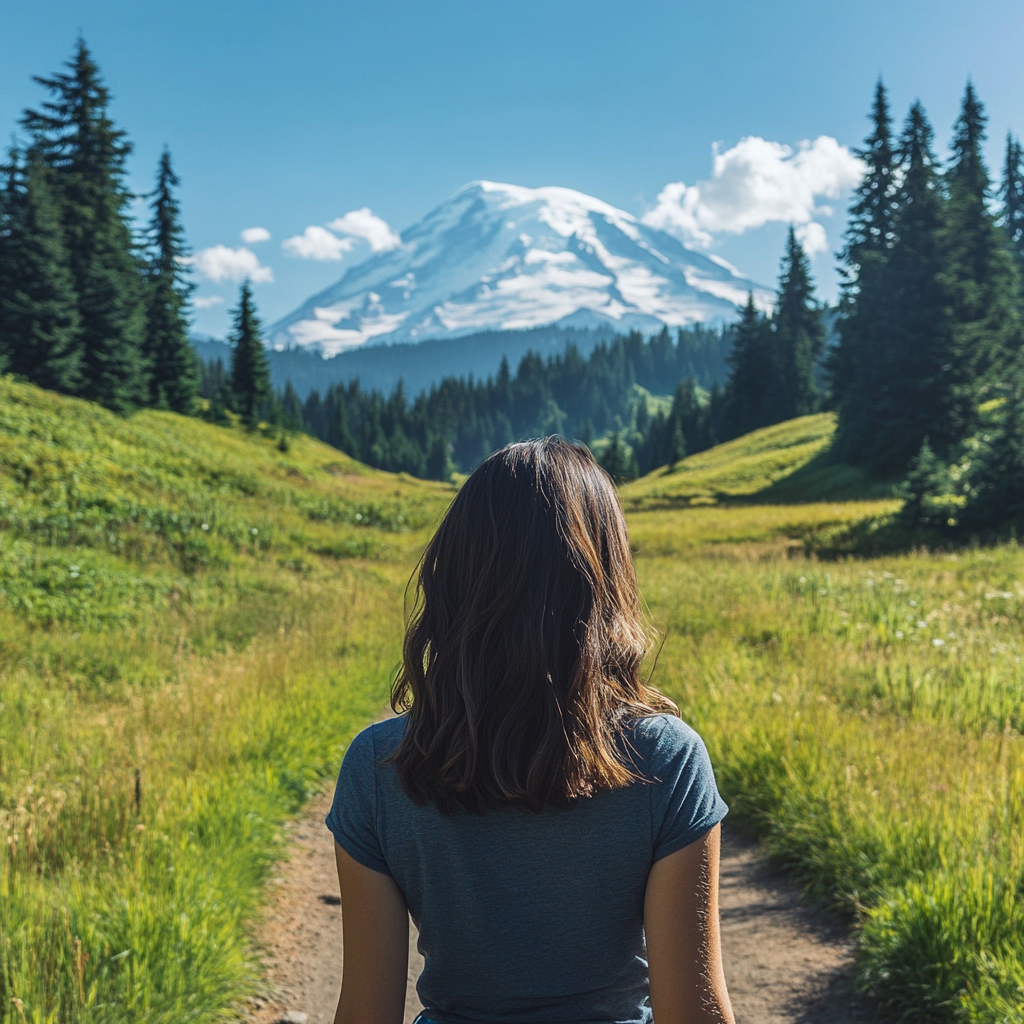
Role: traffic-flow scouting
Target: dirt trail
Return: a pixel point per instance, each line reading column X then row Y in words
column 783, row 965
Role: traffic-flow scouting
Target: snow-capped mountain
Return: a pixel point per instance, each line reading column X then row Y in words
column 503, row 257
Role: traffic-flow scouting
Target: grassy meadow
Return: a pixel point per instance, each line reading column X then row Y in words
column 865, row 716
column 193, row 623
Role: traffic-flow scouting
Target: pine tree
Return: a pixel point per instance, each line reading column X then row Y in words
column 339, row 434
column 171, row 360
column 79, row 142
column 799, row 338
column 750, row 370
column 854, row 364
column 1012, row 195
column 615, row 459
column 250, row 371
column 691, row 415
column 982, row 279
column 677, row 446
column 904, row 397
column 8, row 260
column 439, row 460
column 995, row 497
column 291, row 408
column 38, row 306
column 927, row 483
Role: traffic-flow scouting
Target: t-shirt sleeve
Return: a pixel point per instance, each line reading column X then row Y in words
column 685, row 803
column 352, row 818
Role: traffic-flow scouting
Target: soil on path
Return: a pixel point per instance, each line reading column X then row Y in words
column 783, row 964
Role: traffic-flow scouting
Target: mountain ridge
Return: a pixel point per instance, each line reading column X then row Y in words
column 505, row 257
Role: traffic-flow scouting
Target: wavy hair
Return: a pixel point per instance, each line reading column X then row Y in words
column 523, row 653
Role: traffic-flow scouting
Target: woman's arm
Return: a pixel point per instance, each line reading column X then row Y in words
column 684, row 949
column 375, row 922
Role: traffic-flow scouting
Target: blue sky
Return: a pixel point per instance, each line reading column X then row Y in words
column 284, row 115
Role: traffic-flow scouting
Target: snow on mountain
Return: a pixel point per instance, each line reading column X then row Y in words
column 503, row 257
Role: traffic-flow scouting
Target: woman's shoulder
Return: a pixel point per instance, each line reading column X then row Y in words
column 375, row 743
column 660, row 740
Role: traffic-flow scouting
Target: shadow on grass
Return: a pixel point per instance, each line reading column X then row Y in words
column 823, row 478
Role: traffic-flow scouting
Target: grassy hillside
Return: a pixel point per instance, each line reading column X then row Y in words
column 192, row 625
column 787, row 462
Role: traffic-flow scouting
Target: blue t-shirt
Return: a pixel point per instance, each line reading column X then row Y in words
column 530, row 918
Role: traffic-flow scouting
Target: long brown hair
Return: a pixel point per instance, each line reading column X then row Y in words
column 523, row 653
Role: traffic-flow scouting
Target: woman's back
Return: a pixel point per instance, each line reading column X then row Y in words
column 530, row 917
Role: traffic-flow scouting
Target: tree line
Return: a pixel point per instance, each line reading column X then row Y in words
column 928, row 375
column 88, row 305
column 459, row 421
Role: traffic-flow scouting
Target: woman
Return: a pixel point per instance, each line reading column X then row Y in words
column 550, row 823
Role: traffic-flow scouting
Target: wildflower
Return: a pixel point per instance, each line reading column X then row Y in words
column 254, row 531
column 205, row 526
column 938, row 642
column 899, row 634
column 921, row 624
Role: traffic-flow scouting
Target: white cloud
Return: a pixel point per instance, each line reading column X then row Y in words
column 812, row 237
column 364, row 224
column 222, row 263
column 253, row 236
column 757, row 182
column 207, row 301
column 317, row 243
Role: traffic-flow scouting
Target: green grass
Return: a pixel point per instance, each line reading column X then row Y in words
column 193, row 623
column 784, row 463
column 865, row 716
column 865, row 721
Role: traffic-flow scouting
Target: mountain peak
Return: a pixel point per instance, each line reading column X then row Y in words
column 496, row 256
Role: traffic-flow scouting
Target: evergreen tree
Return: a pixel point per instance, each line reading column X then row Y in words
column 855, row 362
column 904, row 398
column 38, row 307
column 291, row 408
column 250, row 371
column 8, row 262
column 750, row 371
column 926, row 485
column 995, row 497
column 87, row 154
column 215, row 386
column 340, row 434
column 690, row 414
column 982, row 279
column 677, row 446
column 172, row 364
column 799, row 339
column 615, row 459
column 1012, row 195
column 439, row 460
